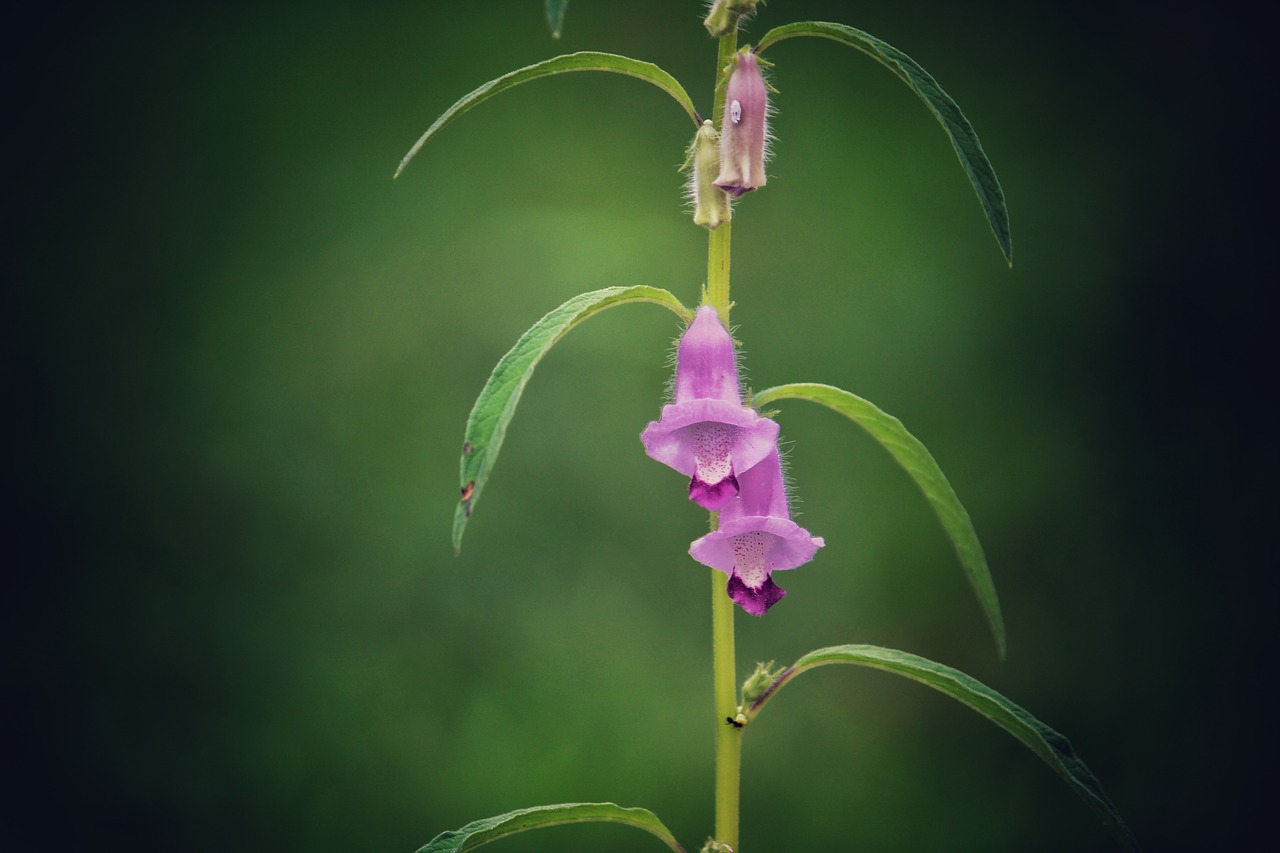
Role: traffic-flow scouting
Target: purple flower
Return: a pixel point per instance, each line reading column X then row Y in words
column 744, row 128
column 707, row 433
column 755, row 538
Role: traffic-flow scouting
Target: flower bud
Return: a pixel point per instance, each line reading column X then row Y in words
column 725, row 15
column 744, row 129
column 759, row 682
column 710, row 204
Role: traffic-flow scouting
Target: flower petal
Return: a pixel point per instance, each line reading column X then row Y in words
column 712, row 496
column 706, row 367
column 754, row 601
column 786, row 544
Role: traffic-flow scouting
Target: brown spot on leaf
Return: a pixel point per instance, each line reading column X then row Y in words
column 467, row 449
column 468, row 490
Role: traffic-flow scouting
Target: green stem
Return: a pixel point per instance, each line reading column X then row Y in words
column 718, row 241
column 728, row 737
column 724, row 677
column 718, row 271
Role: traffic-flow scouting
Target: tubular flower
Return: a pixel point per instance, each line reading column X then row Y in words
column 707, row 433
column 755, row 538
column 744, row 128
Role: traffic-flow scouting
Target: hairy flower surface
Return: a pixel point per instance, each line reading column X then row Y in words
column 744, row 129
column 755, row 538
column 706, row 433
column 710, row 203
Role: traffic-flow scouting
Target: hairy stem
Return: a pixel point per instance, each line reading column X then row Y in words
column 724, row 675
column 718, row 240
column 728, row 737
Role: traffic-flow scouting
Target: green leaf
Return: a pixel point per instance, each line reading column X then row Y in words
column 583, row 61
column 494, row 408
column 963, row 137
column 489, row 829
column 919, row 463
column 555, row 16
column 1052, row 748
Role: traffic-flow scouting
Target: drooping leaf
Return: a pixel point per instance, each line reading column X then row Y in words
column 919, row 463
column 555, row 16
column 494, row 408
column 963, row 137
column 1051, row 747
column 488, row 829
column 582, row 61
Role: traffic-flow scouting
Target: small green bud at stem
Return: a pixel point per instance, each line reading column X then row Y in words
column 758, row 682
column 725, row 15
column 710, row 203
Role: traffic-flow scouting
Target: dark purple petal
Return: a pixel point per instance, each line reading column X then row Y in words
column 713, row 496
column 754, row 601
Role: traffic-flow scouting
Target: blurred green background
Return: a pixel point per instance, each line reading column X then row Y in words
column 242, row 357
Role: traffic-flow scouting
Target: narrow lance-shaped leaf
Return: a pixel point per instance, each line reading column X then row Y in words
column 963, row 137
column 555, row 16
column 1052, row 748
column 483, row 831
column 494, row 408
column 583, row 61
column 919, row 463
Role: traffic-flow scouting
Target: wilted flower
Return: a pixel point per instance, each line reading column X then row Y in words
column 744, row 129
column 755, row 538
column 707, row 433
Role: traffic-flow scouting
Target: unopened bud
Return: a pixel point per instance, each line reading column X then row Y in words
column 725, row 15
column 759, row 682
column 744, row 129
column 710, row 203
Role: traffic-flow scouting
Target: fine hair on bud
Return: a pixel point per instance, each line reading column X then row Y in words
column 744, row 130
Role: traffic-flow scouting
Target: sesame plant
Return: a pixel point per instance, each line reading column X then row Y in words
column 726, row 445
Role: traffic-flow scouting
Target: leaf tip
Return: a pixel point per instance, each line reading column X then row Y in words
column 460, row 517
column 555, row 10
column 996, row 620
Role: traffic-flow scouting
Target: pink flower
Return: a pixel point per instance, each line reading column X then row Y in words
column 755, row 538
column 706, row 433
column 744, row 130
